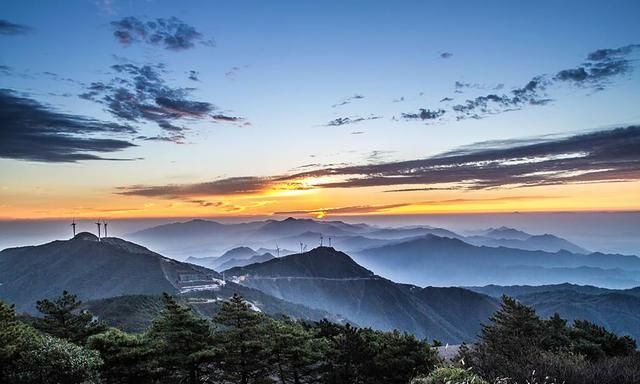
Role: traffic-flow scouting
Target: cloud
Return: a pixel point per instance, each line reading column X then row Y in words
column 193, row 75
column 344, row 210
column 601, row 156
column 9, row 28
column 360, row 209
column 347, row 100
column 610, row 155
column 227, row 119
column 350, row 120
column 357, row 133
column 532, row 93
column 5, row 70
column 138, row 94
column 446, row 55
column 229, row 186
column 172, row 33
column 596, row 73
column 36, row 132
column 233, row 72
column 600, row 67
column 424, row 114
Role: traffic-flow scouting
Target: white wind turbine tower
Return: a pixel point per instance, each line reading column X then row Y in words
column 277, row 250
column 98, row 223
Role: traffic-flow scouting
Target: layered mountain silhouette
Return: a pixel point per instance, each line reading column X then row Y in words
column 615, row 309
column 205, row 238
column 328, row 279
column 116, row 276
column 447, row 261
column 513, row 238
column 112, row 267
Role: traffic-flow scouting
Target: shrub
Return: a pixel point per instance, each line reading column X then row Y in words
column 450, row 375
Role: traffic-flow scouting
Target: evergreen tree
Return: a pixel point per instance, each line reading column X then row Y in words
column 27, row 357
column 509, row 345
column 595, row 342
column 181, row 340
column 64, row 319
column 346, row 356
column 556, row 335
column 397, row 357
column 294, row 352
column 127, row 358
column 241, row 343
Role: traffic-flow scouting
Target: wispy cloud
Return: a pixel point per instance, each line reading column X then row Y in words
column 363, row 209
column 139, row 93
column 36, row 132
column 603, row 155
column 222, row 187
column 193, row 75
column 347, row 100
column 446, row 55
column 9, row 28
column 609, row 155
column 350, row 120
column 597, row 72
column 424, row 114
column 172, row 33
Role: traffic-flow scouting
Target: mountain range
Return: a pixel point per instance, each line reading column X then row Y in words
column 206, row 238
column 445, row 261
column 331, row 280
column 113, row 267
column 615, row 309
column 395, row 278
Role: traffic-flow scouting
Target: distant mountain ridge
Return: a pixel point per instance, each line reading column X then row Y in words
column 113, row 267
column 328, row 279
column 615, row 309
column 204, row 238
column 447, row 261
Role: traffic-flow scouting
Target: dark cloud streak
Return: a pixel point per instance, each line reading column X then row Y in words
column 35, row 132
column 9, row 28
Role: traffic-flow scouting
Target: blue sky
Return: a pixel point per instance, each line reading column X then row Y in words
column 282, row 66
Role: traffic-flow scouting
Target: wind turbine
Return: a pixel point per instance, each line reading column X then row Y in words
column 73, row 225
column 105, row 228
column 98, row 223
column 321, row 238
column 277, row 250
column 329, row 241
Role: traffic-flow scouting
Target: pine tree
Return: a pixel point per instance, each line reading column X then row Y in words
column 181, row 340
column 293, row 352
column 508, row 346
column 241, row 343
column 127, row 358
column 556, row 334
column 64, row 319
column 28, row 357
column 595, row 342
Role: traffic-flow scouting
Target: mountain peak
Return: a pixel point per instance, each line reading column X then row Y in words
column 87, row 236
column 320, row 262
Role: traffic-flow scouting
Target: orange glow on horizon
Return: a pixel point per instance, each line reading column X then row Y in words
column 305, row 200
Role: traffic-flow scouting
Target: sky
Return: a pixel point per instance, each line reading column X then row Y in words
column 142, row 109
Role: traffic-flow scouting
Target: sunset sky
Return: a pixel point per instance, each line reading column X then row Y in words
column 306, row 108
